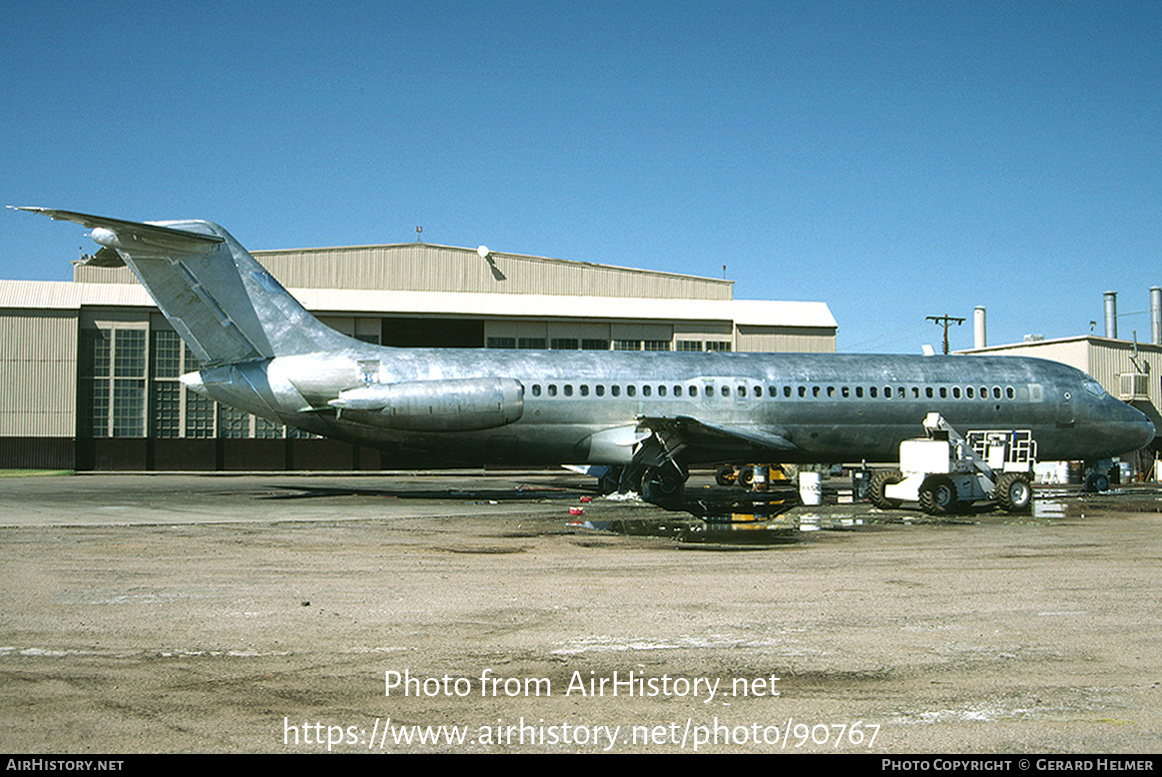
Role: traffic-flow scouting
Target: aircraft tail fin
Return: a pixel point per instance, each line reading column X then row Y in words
column 222, row 302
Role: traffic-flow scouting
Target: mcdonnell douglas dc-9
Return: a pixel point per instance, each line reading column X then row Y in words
column 648, row 416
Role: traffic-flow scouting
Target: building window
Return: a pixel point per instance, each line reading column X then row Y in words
column 500, row 342
column 655, row 345
column 627, row 345
column 267, row 430
column 535, row 343
column 199, row 416
column 128, row 408
column 167, row 354
column 166, row 411
column 96, row 420
column 165, row 404
column 233, row 423
column 113, row 382
column 594, row 345
column 129, row 353
column 717, row 345
column 564, row 344
column 688, row 345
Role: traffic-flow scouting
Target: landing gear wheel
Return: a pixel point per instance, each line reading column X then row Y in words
column 726, row 476
column 875, row 489
column 938, row 496
column 663, row 485
column 611, row 481
column 631, row 479
column 1097, row 483
column 746, row 476
column 1014, row 493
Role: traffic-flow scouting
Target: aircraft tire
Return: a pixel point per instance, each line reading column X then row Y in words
column 611, row 481
column 1097, row 483
column 745, row 476
column 875, row 490
column 726, row 476
column 631, row 479
column 1014, row 493
column 662, row 486
column 938, row 496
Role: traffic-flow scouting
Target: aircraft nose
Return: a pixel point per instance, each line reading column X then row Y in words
column 1137, row 427
column 1146, row 429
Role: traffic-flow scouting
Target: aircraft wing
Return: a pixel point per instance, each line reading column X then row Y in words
column 699, row 434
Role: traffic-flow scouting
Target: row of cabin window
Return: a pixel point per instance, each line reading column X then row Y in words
column 573, row 344
column 789, row 392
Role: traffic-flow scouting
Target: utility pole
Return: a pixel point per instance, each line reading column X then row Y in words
column 946, row 320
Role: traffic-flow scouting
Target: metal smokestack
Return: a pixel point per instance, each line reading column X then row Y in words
column 1111, row 315
column 980, row 338
column 1156, row 315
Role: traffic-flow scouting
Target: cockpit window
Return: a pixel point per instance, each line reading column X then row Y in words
column 1093, row 387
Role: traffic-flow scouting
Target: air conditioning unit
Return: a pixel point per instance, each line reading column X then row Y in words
column 1134, row 387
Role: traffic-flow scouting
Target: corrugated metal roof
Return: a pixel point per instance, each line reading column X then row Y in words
column 405, row 247
column 61, row 295
column 1107, row 342
column 428, row 267
column 43, row 295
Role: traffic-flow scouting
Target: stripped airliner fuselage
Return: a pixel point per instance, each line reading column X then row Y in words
column 648, row 412
column 586, row 407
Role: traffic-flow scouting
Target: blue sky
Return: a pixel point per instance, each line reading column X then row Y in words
column 895, row 160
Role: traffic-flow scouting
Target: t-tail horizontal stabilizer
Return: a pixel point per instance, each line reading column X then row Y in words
column 222, row 302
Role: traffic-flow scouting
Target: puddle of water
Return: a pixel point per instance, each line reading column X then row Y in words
column 696, row 531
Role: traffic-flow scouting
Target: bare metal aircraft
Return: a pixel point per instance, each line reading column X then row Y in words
column 648, row 415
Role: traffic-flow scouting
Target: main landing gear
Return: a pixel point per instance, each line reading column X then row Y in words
column 662, row 485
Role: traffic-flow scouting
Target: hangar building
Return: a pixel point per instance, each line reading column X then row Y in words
column 89, row 369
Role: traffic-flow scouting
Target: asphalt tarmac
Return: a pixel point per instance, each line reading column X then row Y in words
column 471, row 612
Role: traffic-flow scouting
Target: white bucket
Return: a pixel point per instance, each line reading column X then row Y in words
column 811, row 488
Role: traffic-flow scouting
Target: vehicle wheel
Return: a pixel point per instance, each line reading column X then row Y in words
column 662, row 485
column 875, row 488
column 726, row 476
column 938, row 496
column 746, row 476
column 1014, row 493
column 1097, row 483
